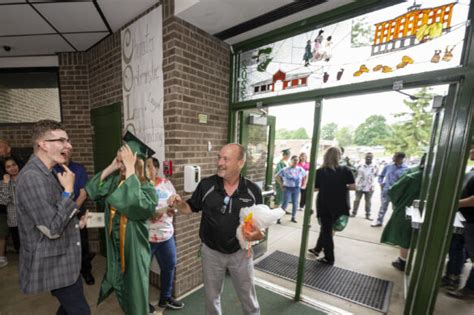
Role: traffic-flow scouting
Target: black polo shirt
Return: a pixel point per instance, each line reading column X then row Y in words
column 333, row 195
column 468, row 191
column 219, row 222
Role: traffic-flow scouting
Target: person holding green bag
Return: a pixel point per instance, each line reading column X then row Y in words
column 333, row 183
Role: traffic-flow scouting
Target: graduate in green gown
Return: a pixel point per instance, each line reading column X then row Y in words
column 398, row 229
column 129, row 200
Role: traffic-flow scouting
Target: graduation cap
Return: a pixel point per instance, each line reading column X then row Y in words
column 137, row 146
column 286, row 151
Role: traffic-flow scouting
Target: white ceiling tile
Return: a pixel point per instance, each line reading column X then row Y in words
column 20, row 20
column 34, row 45
column 120, row 12
column 72, row 16
column 84, row 41
column 12, row 1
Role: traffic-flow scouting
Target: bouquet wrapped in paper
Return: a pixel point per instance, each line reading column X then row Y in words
column 257, row 216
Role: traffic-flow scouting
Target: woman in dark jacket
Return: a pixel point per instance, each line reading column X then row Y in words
column 333, row 183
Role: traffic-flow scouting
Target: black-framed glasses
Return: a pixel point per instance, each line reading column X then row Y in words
column 224, row 206
column 62, row 140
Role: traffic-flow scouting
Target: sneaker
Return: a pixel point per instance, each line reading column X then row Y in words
column 463, row 294
column 325, row 261
column 399, row 264
column 376, row 225
column 294, row 220
column 313, row 251
column 171, row 304
column 450, row 282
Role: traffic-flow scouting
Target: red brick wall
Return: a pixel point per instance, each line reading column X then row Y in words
column 196, row 73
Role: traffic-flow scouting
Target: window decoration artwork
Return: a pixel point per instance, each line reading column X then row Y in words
column 411, row 37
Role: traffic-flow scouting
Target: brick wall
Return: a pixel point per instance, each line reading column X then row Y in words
column 23, row 104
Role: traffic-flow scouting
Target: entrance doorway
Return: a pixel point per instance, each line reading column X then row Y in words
column 358, row 247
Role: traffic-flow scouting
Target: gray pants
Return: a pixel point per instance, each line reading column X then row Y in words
column 368, row 201
column 214, row 265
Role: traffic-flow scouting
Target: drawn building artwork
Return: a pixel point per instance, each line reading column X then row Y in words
column 416, row 26
column 281, row 81
column 402, row 39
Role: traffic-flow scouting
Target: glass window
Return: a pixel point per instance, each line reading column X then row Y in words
column 399, row 40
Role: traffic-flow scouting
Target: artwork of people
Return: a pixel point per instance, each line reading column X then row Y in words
column 307, row 54
column 317, row 46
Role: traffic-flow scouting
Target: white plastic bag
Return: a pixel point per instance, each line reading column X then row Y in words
column 262, row 217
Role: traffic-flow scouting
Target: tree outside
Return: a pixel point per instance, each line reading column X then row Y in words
column 412, row 134
column 328, row 131
column 373, row 131
column 299, row 133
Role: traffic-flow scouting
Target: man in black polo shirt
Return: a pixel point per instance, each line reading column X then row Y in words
column 220, row 198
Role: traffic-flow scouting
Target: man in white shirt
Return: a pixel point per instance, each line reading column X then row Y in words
column 365, row 184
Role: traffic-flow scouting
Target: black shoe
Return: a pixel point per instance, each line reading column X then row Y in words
column 376, row 225
column 367, row 217
column 399, row 264
column 278, row 221
column 294, row 221
column 450, row 282
column 287, row 212
column 353, row 214
column 463, row 294
column 151, row 310
column 325, row 261
column 171, row 304
column 88, row 278
column 313, row 251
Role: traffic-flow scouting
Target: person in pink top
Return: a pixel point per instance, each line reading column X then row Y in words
column 161, row 239
column 303, row 163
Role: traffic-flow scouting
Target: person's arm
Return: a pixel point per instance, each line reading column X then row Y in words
column 177, row 202
column 382, row 176
column 350, row 179
column 49, row 214
column 5, row 195
column 466, row 202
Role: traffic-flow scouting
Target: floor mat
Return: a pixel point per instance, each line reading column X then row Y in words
column 270, row 302
column 353, row 286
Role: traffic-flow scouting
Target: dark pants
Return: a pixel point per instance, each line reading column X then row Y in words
column 469, row 245
column 86, row 266
column 15, row 237
column 303, row 198
column 325, row 240
column 368, row 199
column 165, row 253
column 457, row 256
column 72, row 300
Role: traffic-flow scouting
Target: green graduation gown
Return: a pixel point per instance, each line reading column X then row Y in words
column 127, row 207
column 278, row 192
column 402, row 193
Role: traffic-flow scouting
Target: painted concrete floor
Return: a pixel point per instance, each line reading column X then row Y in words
column 356, row 248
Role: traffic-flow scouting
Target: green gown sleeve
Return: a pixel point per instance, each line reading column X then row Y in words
column 97, row 189
column 135, row 200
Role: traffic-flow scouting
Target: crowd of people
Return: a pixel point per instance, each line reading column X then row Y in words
column 43, row 206
column 43, row 210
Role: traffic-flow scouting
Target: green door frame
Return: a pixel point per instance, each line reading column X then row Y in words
column 449, row 165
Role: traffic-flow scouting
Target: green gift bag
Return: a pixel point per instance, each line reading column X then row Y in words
column 340, row 223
